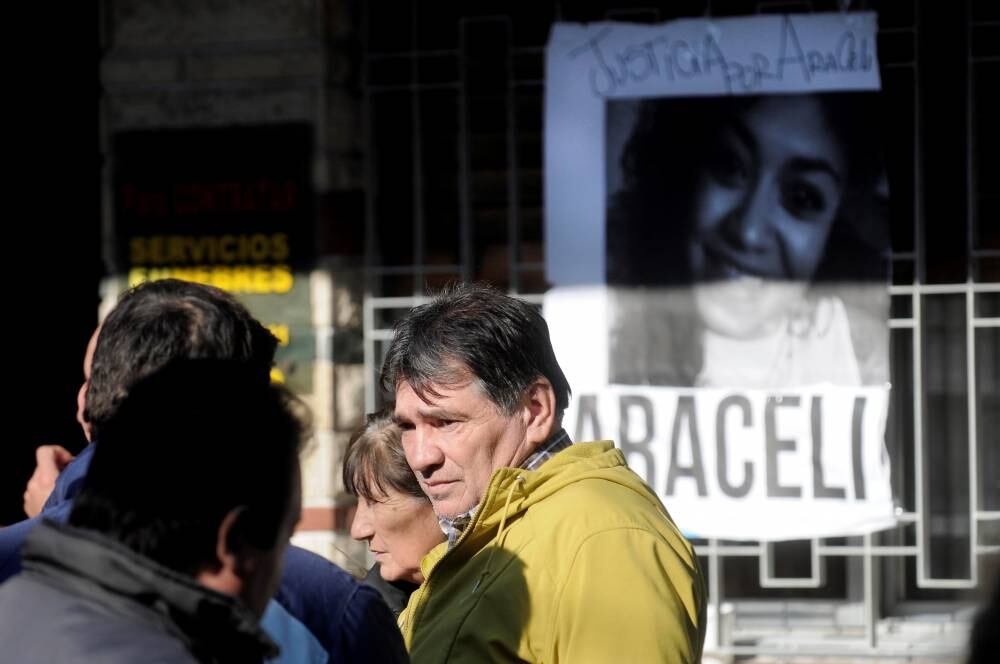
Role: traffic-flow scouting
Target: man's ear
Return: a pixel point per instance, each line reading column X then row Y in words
column 233, row 542
column 228, row 572
column 81, row 412
column 539, row 407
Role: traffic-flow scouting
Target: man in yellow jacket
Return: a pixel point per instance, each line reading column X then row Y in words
column 556, row 552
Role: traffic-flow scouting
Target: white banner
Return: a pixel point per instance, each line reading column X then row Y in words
column 716, row 239
column 751, row 464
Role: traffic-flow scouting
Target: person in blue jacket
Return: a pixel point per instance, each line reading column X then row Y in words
column 149, row 568
column 320, row 612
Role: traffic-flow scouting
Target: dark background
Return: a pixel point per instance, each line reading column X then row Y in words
column 51, row 258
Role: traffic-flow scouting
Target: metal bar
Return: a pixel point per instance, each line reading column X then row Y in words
column 513, row 177
column 368, row 318
column 918, row 442
column 397, row 302
column 970, row 163
column 870, row 608
column 403, row 87
column 947, row 584
column 973, row 461
column 970, row 303
column 368, row 315
column 277, row 83
column 845, row 551
column 945, row 289
column 715, row 592
column 128, row 54
column 417, row 159
column 430, row 53
column 412, row 269
column 721, row 549
column 918, row 161
column 826, row 654
column 464, row 204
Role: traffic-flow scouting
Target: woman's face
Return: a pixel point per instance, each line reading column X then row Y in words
column 400, row 529
column 763, row 210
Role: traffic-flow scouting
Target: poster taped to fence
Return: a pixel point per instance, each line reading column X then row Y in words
column 717, row 240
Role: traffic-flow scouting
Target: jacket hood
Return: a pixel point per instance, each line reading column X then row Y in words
column 86, row 562
column 512, row 491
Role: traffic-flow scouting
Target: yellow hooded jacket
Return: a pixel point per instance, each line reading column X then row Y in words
column 577, row 561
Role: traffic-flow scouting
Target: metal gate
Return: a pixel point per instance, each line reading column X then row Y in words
column 453, row 109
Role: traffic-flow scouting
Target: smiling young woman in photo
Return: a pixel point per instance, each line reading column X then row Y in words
column 748, row 243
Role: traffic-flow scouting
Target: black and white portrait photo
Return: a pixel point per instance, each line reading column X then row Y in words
column 747, row 241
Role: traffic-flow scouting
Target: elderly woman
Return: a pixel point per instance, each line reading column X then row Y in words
column 393, row 516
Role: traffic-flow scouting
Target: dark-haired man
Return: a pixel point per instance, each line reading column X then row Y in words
column 320, row 611
column 556, row 551
column 150, row 568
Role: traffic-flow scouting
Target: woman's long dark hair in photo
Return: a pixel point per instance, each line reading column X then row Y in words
column 651, row 225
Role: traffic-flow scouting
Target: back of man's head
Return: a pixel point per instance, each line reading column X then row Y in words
column 473, row 328
column 161, row 321
column 191, row 444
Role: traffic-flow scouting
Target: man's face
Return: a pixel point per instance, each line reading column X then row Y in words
column 455, row 441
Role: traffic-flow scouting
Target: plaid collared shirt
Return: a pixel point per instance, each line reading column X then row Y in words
column 453, row 528
column 552, row 447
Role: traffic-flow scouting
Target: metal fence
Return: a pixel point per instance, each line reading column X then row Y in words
column 453, row 103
